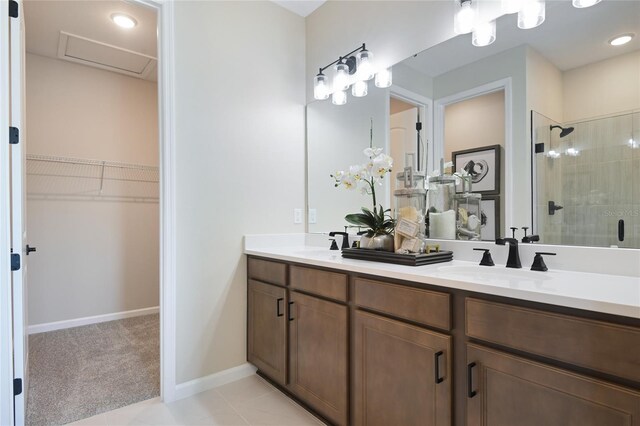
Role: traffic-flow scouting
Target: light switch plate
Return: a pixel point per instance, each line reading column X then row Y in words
column 297, row 216
column 313, row 216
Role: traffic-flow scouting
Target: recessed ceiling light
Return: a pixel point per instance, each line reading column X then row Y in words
column 124, row 21
column 621, row 39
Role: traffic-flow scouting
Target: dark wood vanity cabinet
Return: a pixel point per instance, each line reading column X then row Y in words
column 402, row 373
column 298, row 340
column 267, row 329
column 366, row 351
column 318, row 357
column 508, row 390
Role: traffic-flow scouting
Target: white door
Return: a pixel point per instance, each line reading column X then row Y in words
column 18, row 211
column 6, row 293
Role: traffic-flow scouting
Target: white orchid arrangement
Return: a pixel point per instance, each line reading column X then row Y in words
column 367, row 176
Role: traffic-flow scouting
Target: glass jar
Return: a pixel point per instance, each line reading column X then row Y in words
column 468, row 216
column 410, row 219
column 441, row 216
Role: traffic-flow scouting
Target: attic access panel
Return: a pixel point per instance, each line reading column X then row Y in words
column 105, row 56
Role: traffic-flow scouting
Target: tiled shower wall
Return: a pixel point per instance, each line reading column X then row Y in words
column 596, row 187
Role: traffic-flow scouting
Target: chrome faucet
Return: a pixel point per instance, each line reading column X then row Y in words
column 513, row 261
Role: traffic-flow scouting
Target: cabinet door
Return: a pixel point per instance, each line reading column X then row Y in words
column 266, row 329
column 506, row 390
column 318, row 355
column 402, row 373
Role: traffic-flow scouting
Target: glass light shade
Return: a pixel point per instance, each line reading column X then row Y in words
column 511, row 6
column 384, row 78
column 365, row 65
column 484, row 34
column 339, row 97
column 465, row 18
column 359, row 89
column 341, row 79
column 532, row 14
column 580, row 4
column 321, row 87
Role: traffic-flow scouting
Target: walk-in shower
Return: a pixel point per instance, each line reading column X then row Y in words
column 587, row 180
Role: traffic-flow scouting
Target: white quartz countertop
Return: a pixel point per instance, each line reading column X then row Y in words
column 611, row 294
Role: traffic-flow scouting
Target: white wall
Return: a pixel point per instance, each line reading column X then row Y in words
column 602, row 88
column 93, row 257
column 240, row 157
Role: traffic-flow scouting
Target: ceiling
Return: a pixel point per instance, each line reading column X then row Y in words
column 45, row 19
column 569, row 38
column 303, row 8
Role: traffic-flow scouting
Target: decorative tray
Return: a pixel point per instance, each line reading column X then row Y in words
column 411, row 259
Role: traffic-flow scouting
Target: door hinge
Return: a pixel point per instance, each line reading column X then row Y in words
column 17, row 387
column 14, row 135
column 15, row 261
column 13, row 8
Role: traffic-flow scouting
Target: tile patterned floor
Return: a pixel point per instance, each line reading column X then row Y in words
column 249, row 401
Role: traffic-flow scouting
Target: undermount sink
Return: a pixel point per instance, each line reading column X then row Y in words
column 497, row 273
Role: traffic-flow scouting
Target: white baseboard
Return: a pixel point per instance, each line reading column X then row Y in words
column 187, row 389
column 77, row 322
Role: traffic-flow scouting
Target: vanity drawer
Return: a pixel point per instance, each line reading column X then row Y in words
column 332, row 285
column 422, row 306
column 597, row 345
column 267, row 271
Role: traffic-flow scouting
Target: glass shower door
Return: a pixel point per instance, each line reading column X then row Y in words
column 588, row 181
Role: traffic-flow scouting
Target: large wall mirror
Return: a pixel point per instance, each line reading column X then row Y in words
column 558, row 102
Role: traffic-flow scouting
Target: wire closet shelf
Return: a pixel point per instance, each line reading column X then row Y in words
column 50, row 177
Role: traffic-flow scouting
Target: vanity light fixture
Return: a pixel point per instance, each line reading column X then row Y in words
column 341, row 78
column 359, row 89
column 553, row 154
column 351, row 70
column 633, row 143
column 484, row 34
column 384, row 78
column 581, row 4
column 124, row 21
column 531, row 14
column 465, row 17
column 364, row 60
column 321, row 88
column 572, row 152
column 621, row 39
column 339, row 97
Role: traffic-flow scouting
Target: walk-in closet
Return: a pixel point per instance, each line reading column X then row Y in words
column 92, row 186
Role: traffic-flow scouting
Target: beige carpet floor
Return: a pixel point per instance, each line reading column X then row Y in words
column 83, row 371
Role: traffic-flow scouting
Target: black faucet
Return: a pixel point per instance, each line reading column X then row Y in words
column 345, row 238
column 513, row 261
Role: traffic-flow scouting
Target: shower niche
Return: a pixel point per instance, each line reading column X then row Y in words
column 586, row 178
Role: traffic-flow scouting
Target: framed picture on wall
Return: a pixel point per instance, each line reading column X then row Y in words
column 483, row 164
column 490, row 217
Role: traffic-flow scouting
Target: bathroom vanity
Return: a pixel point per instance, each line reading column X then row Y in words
column 375, row 344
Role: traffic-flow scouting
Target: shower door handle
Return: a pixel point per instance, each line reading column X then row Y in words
column 621, row 230
column 553, row 207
